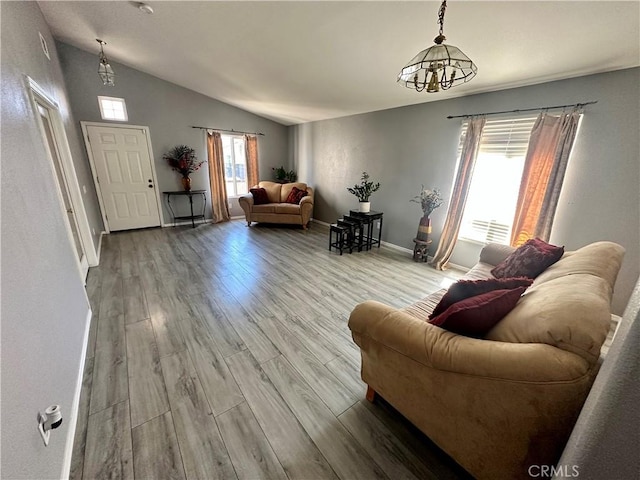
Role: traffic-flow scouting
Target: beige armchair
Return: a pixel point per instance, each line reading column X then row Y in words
column 277, row 210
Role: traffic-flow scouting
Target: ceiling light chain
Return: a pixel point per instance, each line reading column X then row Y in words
column 438, row 67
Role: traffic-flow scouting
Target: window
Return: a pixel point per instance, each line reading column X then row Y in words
column 235, row 165
column 112, row 108
column 493, row 194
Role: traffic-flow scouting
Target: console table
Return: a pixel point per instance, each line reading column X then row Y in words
column 189, row 194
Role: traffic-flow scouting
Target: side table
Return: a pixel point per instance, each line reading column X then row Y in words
column 369, row 218
column 190, row 195
column 421, row 250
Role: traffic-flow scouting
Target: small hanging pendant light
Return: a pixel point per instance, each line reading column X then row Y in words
column 105, row 71
column 440, row 66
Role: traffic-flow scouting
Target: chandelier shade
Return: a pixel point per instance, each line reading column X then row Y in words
column 106, row 73
column 438, row 67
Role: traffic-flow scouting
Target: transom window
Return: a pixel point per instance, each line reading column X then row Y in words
column 113, row 108
column 493, row 193
column 235, row 165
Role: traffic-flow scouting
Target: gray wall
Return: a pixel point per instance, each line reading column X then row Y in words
column 168, row 110
column 406, row 147
column 44, row 306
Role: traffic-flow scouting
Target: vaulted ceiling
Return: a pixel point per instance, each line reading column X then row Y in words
column 296, row 62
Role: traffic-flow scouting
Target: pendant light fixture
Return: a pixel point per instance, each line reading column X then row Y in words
column 105, row 71
column 440, row 66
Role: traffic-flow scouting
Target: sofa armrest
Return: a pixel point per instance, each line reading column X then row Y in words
column 437, row 348
column 494, row 253
column 246, row 203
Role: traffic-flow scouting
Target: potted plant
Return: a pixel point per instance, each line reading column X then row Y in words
column 183, row 159
column 429, row 200
column 284, row 176
column 364, row 191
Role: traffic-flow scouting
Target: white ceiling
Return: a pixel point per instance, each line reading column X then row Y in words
column 300, row 61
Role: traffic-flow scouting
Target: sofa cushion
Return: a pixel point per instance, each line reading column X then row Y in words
column 286, row 190
column 268, row 208
column 475, row 316
column 469, row 288
column 296, row 195
column 287, row 208
column 529, row 260
column 569, row 312
column 273, row 190
column 259, row 196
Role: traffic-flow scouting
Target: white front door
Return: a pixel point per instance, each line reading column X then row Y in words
column 125, row 177
column 63, row 186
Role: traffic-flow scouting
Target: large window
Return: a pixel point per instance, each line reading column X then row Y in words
column 235, row 165
column 493, row 194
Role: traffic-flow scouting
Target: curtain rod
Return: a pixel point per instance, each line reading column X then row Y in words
column 525, row 110
column 229, row 131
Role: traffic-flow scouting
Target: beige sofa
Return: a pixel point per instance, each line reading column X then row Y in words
column 501, row 404
column 277, row 211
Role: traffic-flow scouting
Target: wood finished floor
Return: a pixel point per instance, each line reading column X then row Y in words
column 223, row 352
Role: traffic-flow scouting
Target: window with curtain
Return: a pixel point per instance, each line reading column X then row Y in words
column 235, row 165
column 493, row 193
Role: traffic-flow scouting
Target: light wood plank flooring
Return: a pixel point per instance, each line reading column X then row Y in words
column 223, row 352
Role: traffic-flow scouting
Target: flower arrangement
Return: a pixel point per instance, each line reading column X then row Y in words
column 284, row 176
column 428, row 199
column 365, row 189
column 182, row 158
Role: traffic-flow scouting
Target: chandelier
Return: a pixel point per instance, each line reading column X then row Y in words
column 105, row 71
column 440, row 66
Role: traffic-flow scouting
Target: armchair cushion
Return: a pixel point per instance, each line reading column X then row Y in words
column 475, row 316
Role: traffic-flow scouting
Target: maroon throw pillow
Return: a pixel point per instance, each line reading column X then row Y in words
column 259, row 196
column 529, row 260
column 475, row 316
column 470, row 288
column 296, row 195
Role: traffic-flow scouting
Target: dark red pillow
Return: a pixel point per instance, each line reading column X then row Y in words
column 475, row 316
column 259, row 196
column 296, row 195
column 469, row 288
column 529, row 260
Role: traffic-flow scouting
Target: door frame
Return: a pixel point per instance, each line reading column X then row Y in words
column 147, row 135
column 38, row 95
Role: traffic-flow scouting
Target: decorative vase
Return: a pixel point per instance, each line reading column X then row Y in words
column 186, row 183
column 365, row 207
column 424, row 229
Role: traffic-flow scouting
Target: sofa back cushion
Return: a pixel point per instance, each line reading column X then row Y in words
column 287, row 187
column 568, row 306
column 273, row 190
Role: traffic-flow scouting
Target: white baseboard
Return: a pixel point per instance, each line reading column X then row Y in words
column 393, row 246
column 320, row 222
column 73, row 413
column 102, row 234
column 187, row 222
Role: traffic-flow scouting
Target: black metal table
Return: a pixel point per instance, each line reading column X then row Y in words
column 369, row 218
column 189, row 194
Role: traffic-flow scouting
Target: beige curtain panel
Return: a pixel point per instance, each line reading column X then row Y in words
column 545, row 165
column 219, row 201
column 251, row 147
column 459, row 195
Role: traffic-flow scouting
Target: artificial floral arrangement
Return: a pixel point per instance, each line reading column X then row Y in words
column 429, row 200
column 182, row 158
column 284, row 176
column 365, row 189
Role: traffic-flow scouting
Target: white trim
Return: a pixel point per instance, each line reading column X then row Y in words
column 73, row 412
column 147, row 134
column 102, row 234
column 116, row 100
column 188, row 222
column 238, row 217
column 393, row 246
column 35, row 92
column 320, row 222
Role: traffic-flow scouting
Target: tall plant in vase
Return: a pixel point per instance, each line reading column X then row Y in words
column 429, row 200
column 364, row 191
column 183, row 159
